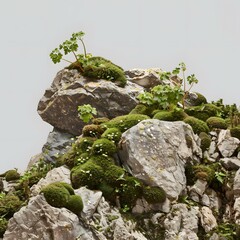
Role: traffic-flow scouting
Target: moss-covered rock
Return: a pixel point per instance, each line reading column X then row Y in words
column 174, row 115
column 100, row 120
column 108, row 192
column 75, row 204
column 197, row 125
column 87, row 174
column 103, row 146
column 197, row 101
column 205, row 141
column 204, row 111
column 139, row 109
column 12, row 175
column 125, row 122
column 3, row 225
column 204, row 172
column 65, row 185
column 112, row 134
column 154, row 194
column 83, row 144
column 92, row 130
column 112, row 174
column 235, row 132
column 102, row 161
column 9, row 204
column 216, row 122
column 84, row 157
column 56, row 195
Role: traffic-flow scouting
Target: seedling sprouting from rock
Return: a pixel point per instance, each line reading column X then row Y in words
column 86, row 112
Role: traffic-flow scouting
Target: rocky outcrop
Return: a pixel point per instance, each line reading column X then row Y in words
column 157, row 151
column 69, row 89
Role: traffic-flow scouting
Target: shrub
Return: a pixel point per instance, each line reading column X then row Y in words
column 103, row 146
column 154, row 194
column 112, row 134
column 88, row 174
column 92, row 130
column 203, row 112
column 205, row 141
column 56, row 195
column 12, row 175
column 3, row 225
column 197, row 125
column 75, row 204
column 125, row 122
column 9, row 204
column 235, row 132
column 216, row 122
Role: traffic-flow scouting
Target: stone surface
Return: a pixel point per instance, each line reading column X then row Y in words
column 208, row 221
column 181, row 223
column 34, row 160
column 56, row 145
column 228, row 146
column 39, row 220
column 69, row 89
column 236, row 209
column 156, row 152
column 199, row 187
column 60, row 174
column 211, row 200
column 230, row 163
column 236, row 184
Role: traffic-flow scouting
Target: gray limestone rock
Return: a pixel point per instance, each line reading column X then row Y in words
column 69, row 89
column 208, row 221
column 236, row 184
column 230, row 163
column 181, row 223
column 236, row 209
column 156, row 152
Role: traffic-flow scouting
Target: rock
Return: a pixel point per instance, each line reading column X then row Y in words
column 56, row 145
column 199, row 187
column 60, row 174
column 90, row 200
column 212, row 148
column 34, row 160
column 236, row 184
column 156, row 152
column 39, row 220
column 69, row 89
column 226, row 144
column 181, row 223
column 211, row 200
column 208, row 221
column 230, row 163
column 236, row 208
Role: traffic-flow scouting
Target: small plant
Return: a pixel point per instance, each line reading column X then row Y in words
column 220, row 176
column 86, row 112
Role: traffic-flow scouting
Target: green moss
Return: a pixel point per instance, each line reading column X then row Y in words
column 112, row 134
column 235, row 132
column 65, row 185
column 108, row 192
column 75, row 204
column 102, row 161
column 88, row 174
column 125, row 122
column 205, row 141
column 205, row 172
column 3, row 225
column 203, row 112
column 174, row 115
column 139, row 109
column 84, row 157
column 83, row 144
column 154, row 194
column 197, row 125
column 112, row 174
column 56, row 195
column 103, row 146
column 9, row 204
column 100, row 120
column 216, row 122
column 92, row 130
column 199, row 100
column 12, row 175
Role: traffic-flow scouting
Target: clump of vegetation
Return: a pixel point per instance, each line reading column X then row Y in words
column 205, row 141
column 197, row 125
column 154, row 195
column 125, row 122
column 176, row 114
column 99, row 120
column 92, row 130
column 103, row 146
column 75, row 204
column 112, row 134
column 3, row 225
column 12, row 175
column 204, row 172
column 86, row 112
column 200, row 100
column 216, row 122
column 103, row 161
column 86, row 64
column 235, row 132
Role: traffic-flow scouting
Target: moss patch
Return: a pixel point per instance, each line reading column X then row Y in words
column 216, row 122
column 205, row 141
column 112, row 134
column 75, row 204
column 12, row 175
column 103, row 147
column 154, row 194
column 197, row 125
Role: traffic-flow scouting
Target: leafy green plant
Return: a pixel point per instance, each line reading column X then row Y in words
column 86, row 112
column 220, row 176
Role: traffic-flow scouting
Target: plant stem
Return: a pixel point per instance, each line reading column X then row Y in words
column 66, row 60
column 84, row 48
column 184, row 89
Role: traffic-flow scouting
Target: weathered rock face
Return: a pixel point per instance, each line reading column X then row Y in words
column 69, row 89
column 156, row 152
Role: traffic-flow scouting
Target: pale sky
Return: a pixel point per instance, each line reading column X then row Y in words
column 132, row 33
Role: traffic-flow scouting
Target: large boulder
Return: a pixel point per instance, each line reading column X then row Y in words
column 157, row 151
column 69, row 89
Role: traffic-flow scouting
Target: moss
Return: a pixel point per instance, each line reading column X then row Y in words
column 199, row 100
column 112, row 174
column 174, row 115
column 189, row 141
column 108, row 192
column 204, row 172
column 197, row 125
column 65, row 185
column 88, row 174
column 56, row 195
column 203, row 112
column 75, row 204
column 102, row 161
column 9, row 204
column 154, row 194
column 103, row 146
column 235, row 132
column 112, row 134
column 92, row 130
column 12, row 175
column 139, row 109
column 100, row 120
column 83, row 144
column 216, row 122
column 3, row 225
column 125, row 122
column 84, row 157
column 205, row 141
